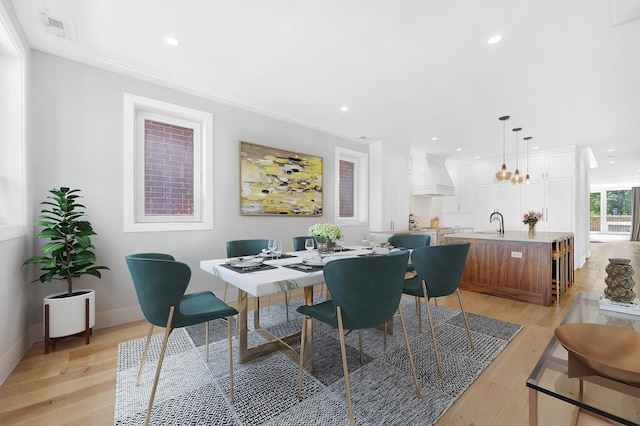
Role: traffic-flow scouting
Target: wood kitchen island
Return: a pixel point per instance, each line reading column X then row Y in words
column 534, row 268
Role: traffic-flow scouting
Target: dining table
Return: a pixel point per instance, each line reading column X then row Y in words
column 300, row 269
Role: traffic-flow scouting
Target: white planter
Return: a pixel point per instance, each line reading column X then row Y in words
column 67, row 315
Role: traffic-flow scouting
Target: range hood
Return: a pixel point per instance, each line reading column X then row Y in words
column 430, row 177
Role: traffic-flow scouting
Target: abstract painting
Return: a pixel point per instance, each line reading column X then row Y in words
column 278, row 182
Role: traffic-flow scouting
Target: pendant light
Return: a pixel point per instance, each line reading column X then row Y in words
column 528, row 138
column 517, row 179
column 503, row 174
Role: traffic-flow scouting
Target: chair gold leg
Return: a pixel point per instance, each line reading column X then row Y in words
column 433, row 331
column 144, row 354
column 206, row 341
column 167, row 332
column 230, row 359
column 226, row 286
column 344, row 365
column 409, row 353
column 466, row 323
column 302, row 339
column 419, row 312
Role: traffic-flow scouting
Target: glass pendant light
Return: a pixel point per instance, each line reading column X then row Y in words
column 528, row 138
column 517, row 179
column 503, row 174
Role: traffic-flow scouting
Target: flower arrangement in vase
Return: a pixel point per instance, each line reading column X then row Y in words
column 325, row 232
column 531, row 218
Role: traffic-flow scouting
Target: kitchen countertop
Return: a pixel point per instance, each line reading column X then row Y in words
column 537, row 237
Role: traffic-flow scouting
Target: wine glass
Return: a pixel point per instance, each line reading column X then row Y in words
column 309, row 244
column 271, row 246
column 365, row 239
column 340, row 244
column 372, row 240
column 277, row 248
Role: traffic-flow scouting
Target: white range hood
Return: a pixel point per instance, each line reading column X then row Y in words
column 430, row 177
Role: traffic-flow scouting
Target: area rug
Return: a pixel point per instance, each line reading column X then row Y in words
column 193, row 392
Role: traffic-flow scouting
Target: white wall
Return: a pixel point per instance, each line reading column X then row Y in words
column 78, row 142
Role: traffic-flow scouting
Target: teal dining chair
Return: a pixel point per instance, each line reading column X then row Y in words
column 409, row 241
column 237, row 248
column 160, row 284
column 251, row 247
column 366, row 293
column 299, row 243
column 439, row 270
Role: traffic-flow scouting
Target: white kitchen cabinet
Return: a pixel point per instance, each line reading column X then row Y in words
column 389, row 187
column 486, row 202
column 462, row 202
column 510, row 204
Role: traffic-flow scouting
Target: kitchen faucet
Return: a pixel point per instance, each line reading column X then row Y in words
column 496, row 215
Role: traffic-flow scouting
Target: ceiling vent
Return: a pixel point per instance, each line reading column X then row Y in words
column 56, row 26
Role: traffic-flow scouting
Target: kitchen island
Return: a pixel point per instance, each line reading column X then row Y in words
column 534, row 268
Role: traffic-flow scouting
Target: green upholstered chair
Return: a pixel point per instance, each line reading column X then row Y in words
column 409, row 241
column 439, row 270
column 160, row 284
column 236, row 248
column 366, row 293
column 298, row 243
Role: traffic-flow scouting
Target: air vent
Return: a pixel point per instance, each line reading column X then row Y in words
column 56, row 26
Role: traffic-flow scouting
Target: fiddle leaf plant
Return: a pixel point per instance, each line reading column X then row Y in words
column 68, row 255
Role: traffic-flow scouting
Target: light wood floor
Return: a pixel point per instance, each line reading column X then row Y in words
column 75, row 384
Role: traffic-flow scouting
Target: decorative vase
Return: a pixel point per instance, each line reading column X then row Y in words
column 619, row 281
column 326, row 246
column 532, row 229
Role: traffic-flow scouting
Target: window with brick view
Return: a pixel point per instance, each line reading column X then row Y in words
column 168, row 169
column 347, row 181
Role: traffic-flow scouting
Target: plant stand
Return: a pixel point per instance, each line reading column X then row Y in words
column 77, row 324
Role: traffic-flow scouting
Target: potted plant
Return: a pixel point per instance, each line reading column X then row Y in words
column 66, row 256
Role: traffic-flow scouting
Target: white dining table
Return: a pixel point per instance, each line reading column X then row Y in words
column 265, row 282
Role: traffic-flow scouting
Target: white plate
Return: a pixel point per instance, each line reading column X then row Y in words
column 313, row 262
column 245, row 263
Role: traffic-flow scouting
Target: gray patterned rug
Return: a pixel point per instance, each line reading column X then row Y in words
column 192, row 392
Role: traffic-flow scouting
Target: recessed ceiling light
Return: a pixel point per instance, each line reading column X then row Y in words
column 435, row 138
column 171, row 41
column 458, row 149
column 535, row 147
column 610, row 150
column 495, row 39
column 476, row 157
column 344, row 108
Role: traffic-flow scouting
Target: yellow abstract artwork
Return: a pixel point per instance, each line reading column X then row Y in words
column 278, row 182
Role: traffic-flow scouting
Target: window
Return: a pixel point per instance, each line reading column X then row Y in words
column 12, row 132
column 168, row 170
column 351, row 186
column 347, row 180
column 610, row 211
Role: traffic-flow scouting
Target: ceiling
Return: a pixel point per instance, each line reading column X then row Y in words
column 567, row 72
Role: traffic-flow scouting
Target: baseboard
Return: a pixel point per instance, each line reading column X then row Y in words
column 12, row 356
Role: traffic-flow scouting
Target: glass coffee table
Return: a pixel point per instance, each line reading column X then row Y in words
column 594, row 395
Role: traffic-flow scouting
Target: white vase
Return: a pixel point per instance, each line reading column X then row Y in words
column 67, row 315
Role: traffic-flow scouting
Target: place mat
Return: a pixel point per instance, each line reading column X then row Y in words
column 257, row 268
column 304, row 268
